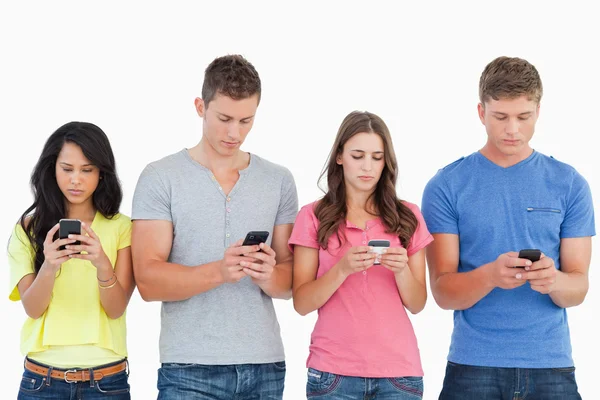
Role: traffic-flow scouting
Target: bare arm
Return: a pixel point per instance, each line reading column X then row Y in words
column 114, row 299
column 35, row 290
column 311, row 293
column 453, row 290
column 569, row 286
column 409, row 273
column 159, row 280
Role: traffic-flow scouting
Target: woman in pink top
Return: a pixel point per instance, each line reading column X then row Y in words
column 363, row 344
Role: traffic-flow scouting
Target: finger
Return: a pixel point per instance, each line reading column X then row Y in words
column 394, row 257
column 89, row 230
column 513, row 254
column 87, row 257
column 267, row 249
column 62, row 253
column 394, row 263
column 543, row 263
column 60, row 242
column 361, row 249
column 79, row 248
column 395, row 250
column 248, row 249
column 256, row 266
column 537, row 274
column 83, row 238
column 259, row 255
column 239, row 259
column 517, row 262
column 256, row 275
column 50, row 234
column 237, row 244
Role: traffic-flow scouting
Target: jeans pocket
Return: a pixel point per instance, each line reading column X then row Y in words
column 320, row 383
column 113, row 384
column 412, row 385
column 566, row 370
column 279, row 365
column 32, row 383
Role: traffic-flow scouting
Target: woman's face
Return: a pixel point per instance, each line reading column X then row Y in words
column 76, row 176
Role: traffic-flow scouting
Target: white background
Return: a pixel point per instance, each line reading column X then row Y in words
column 134, row 69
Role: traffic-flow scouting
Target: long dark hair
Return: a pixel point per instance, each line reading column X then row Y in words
column 332, row 210
column 49, row 202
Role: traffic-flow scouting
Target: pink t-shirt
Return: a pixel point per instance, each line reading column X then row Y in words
column 363, row 329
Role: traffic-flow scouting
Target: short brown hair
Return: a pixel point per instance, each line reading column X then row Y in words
column 232, row 76
column 509, row 78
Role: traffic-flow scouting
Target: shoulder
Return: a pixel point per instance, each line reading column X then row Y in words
column 270, row 168
column 118, row 222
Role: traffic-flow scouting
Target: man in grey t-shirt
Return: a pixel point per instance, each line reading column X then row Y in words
column 219, row 335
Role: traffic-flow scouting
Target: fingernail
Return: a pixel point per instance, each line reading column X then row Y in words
column 67, row 247
column 518, row 276
column 243, row 263
column 384, row 251
column 526, row 268
column 527, row 262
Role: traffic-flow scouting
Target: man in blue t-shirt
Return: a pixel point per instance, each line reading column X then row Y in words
column 511, row 335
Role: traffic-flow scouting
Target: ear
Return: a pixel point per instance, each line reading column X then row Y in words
column 338, row 159
column 200, row 108
column 481, row 112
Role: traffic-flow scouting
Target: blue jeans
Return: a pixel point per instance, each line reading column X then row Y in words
column 325, row 385
column 221, row 382
column 113, row 387
column 466, row 382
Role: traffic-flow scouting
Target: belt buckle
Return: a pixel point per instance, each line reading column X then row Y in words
column 73, row 371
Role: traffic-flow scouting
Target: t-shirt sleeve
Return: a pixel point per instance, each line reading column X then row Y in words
column 438, row 208
column 579, row 217
column 151, row 199
column 288, row 206
column 421, row 237
column 305, row 229
column 124, row 232
column 20, row 260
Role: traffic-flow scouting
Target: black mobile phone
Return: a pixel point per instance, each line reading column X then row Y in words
column 67, row 227
column 378, row 246
column 532, row 255
column 255, row 237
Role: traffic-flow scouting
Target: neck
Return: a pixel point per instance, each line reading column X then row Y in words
column 82, row 212
column 505, row 160
column 206, row 155
column 359, row 201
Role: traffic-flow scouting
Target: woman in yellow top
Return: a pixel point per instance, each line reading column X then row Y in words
column 75, row 298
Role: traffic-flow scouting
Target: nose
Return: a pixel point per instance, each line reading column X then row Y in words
column 75, row 179
column 233, row 131
column 367, row 164
column 512, row 127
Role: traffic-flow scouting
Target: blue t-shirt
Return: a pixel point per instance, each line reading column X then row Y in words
column 494, row 210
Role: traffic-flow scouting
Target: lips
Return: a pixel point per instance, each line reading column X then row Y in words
column 365, row 178
column 230, row 144
column 75, row 192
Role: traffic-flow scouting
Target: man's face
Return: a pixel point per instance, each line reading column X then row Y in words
column 227, row 121
column 510, row 124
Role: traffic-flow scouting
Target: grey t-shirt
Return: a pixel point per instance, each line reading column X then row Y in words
column 233, row 323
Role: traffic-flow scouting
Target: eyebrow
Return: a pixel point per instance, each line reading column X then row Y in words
column 230, row 117
column 362, row 151
column 69, row 165
column 505, row 114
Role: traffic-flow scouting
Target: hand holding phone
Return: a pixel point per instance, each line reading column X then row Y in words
column 66, row 227
column 378, row 246
column 255, row 237
column 532, row 255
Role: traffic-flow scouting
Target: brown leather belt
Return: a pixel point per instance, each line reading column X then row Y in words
column 78, row 374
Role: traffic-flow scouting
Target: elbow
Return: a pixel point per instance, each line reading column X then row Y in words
column 300, row 309
column 146, row 292
column 114, row 314
column 33, row 314
column 286, row 295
